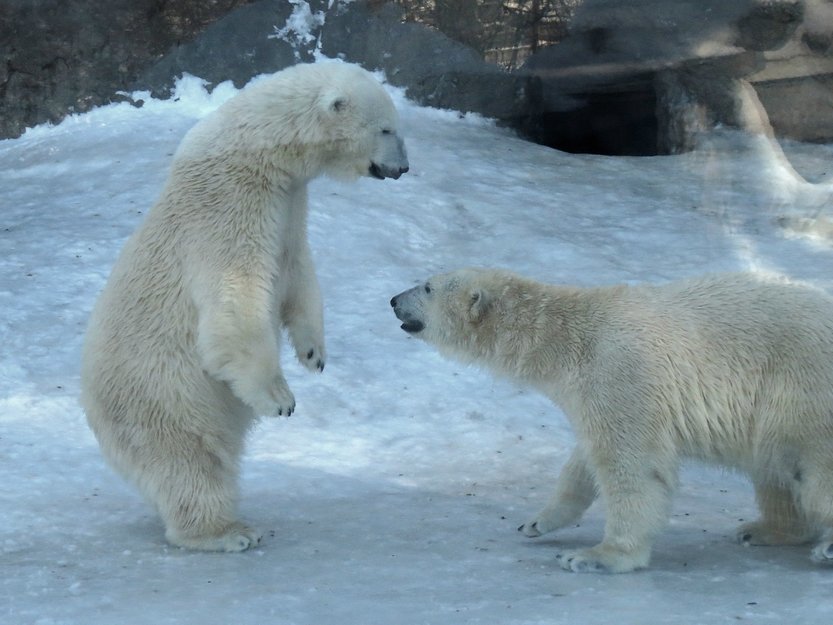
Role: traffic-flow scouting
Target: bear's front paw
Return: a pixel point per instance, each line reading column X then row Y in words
column 283, row 401
column 312, row 358
column 309, row 346
column 548, row 520
column 272, row 399
column 530, row 529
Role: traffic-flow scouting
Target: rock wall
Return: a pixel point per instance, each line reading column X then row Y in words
column 632, row 77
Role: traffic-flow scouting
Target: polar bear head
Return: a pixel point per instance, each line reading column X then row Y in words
column 328, row 118
column 456, row 312
column 362, row 122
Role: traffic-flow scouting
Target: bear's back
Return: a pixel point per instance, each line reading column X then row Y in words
column 746, row 318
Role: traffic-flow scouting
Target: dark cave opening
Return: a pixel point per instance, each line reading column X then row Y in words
column 620, row 123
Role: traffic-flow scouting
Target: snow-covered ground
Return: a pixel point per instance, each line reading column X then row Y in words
column 392, row 496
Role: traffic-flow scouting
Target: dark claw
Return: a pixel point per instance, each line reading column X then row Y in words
column 320, row 365
column 521, row 528
column 310, row 354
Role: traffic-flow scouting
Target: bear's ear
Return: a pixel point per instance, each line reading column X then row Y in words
column 479, row 304
column 333, row 102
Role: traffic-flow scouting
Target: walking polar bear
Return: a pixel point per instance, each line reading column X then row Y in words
column 182, row 350
column 732, row 369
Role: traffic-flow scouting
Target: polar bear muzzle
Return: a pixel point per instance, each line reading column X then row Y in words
column 406, row 310
column 389, row 158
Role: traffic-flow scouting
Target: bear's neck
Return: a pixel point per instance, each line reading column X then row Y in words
column 539, row 337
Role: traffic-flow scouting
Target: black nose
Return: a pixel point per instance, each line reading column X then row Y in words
column 393, row 301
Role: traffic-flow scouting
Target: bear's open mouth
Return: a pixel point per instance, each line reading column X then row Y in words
column 380, row 172
column 376, row 171
column 410, row 324
column 413, row 326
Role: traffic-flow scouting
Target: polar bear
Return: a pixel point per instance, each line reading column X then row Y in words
column 732, row 369
column 182, row 349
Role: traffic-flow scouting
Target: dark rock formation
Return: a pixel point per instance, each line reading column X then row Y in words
column 63, row 56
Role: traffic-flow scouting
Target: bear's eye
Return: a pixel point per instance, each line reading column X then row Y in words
column 427, row 288
column 387, row 131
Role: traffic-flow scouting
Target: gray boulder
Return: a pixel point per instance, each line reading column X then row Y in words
column 435, row 70
column 236, row 47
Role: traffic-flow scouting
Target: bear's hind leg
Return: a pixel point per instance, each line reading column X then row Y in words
column 815, row 497
column 195, row 492
column 781, row 523
column 575, row 490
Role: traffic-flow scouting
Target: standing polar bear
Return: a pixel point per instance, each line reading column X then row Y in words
column 732, row 369
column 182, row 350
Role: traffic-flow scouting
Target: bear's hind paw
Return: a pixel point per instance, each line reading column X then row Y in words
column 604, row 559
column 236, row 537
column 760, row 533
column 576, row 562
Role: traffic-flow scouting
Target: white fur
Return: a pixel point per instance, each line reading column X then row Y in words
column 733, row 369
column 182, row 350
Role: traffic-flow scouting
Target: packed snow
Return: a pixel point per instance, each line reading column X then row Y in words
column 393, row 494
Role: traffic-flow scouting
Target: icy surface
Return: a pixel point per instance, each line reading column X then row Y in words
column 394, row 493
